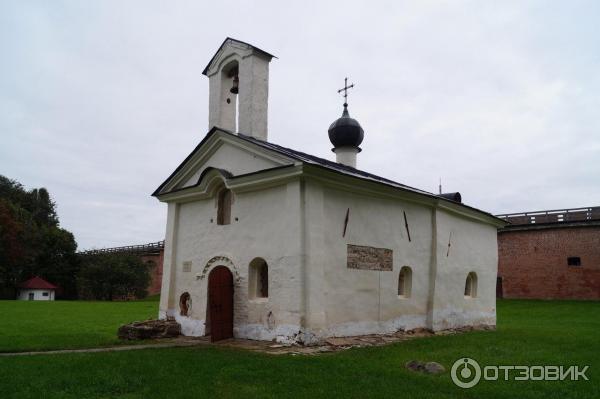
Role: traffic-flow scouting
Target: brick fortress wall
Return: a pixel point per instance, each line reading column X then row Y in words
column 533, row 261
column 152, row 253
column 156, row 271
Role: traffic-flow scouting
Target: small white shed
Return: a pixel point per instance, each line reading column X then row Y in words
column 37, row 289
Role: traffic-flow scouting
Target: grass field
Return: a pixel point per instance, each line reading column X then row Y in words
column 37, row 325
column 529, row 333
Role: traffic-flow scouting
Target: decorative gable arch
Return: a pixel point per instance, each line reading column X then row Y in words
column 220, row 260
column 208, row 157
column 211, row 179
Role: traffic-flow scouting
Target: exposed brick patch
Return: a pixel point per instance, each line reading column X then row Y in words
column 369, row 258
column 156, row 272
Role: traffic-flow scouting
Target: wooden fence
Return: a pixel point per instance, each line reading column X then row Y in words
column 553, row 216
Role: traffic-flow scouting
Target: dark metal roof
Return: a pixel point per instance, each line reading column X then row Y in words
column 456, row 197
column 177, row 169
column 314, row 160
column 337, row 167
column 344, row 169
column 235, row 40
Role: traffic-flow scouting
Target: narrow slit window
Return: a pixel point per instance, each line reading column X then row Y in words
column 404, row 282
column 263, row 281
column 471, row 285
column 224, row 207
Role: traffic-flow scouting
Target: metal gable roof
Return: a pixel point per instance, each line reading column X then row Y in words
column 321, row 162
column 234, row 40
column 337, row 167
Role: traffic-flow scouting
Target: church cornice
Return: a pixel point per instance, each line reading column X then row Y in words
column 381, row 190
column 242, row 183
column 293, row 164
column 213, row 140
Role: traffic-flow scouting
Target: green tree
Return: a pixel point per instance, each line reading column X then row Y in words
column 12, row 249
column 110, row 276
column 32, row 242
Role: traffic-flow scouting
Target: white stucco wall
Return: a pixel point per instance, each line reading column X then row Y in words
column 347, row 301
column 366, row 301
column 296, row 227
column 266, row 226
column 312, row 292
column 38, row 295
column 473, row 248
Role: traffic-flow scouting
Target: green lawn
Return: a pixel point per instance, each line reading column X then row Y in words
column 37, row 325
column 529, row 333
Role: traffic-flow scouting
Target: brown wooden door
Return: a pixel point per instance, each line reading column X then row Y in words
column 220, row 303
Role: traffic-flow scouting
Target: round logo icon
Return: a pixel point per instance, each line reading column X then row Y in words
column 465, row 372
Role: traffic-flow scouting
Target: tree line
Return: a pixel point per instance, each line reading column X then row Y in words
column 32, row 243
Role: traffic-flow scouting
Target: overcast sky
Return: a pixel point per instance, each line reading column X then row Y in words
column 101, row 100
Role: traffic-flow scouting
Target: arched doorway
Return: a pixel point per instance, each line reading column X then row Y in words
column 220, row 303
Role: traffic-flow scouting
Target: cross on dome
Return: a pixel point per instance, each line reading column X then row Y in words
column 345, row 90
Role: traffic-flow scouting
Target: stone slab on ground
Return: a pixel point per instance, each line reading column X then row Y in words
column 150, row 329
column 425, row 367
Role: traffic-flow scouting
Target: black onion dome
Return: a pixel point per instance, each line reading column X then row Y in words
column 346, row 131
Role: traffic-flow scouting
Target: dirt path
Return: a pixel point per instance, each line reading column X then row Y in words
column 330, row 344
column 106, row 349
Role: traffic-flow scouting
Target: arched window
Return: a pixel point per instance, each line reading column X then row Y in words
column 258, row 279
column 185, row 304
column 229, row 104
column 405, row 282
column 471, row 285
column 224, row 207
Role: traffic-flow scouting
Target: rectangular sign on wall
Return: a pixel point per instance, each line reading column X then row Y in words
column 369, row 258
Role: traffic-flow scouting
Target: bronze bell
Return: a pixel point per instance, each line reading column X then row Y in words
column 236, row 84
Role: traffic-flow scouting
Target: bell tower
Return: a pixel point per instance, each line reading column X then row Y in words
column 238, row 77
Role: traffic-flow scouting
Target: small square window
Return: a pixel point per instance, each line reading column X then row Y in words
column 187, row 266
column 574, row 261
column 44, row 293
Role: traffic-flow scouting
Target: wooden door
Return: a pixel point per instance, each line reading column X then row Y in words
column 220, row 303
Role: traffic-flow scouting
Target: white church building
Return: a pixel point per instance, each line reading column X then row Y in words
column 268, row 243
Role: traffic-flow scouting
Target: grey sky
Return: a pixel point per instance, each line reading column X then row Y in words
column 100, row 101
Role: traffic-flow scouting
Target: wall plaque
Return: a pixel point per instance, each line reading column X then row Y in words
column 369, row 258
